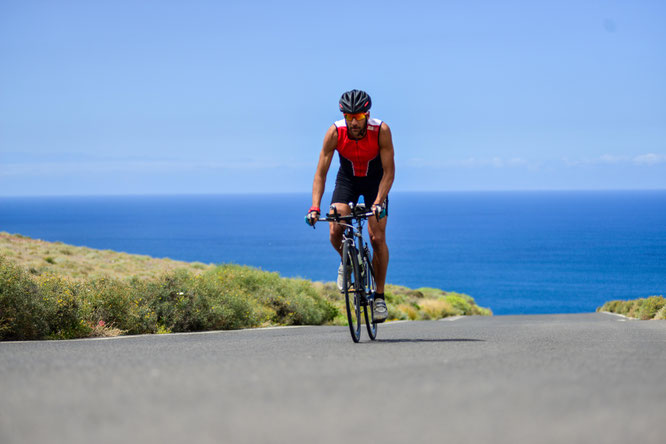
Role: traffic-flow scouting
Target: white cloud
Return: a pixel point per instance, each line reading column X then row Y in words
column 518, row 161
column 160, row 166
column 649, row 159
column 470, row 162
column 610, row 159
column 605, row 159
column 642, row 160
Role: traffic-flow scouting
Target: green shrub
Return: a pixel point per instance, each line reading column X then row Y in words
column 145, row 318
column 218, row 306
column 617, row 306
column 276, row 300
column 481, row 311
column 643, row 308
column 611, row 307
column 176, row 306
column 459, row 302
column 22, row 310
column 625, row 307
column 37, row 306
column 650, row 307
column 634, row 307
column 61, row 308
column 110, row 300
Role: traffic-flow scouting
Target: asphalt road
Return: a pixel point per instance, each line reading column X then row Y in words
column 584, row 378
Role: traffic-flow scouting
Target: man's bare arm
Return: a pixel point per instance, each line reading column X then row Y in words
column 325, row 158
column 388, row 164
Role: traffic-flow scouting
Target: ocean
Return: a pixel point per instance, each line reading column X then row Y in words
column 514, row 252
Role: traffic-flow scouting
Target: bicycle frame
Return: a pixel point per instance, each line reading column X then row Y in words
column 354, row 234
column 359, row 292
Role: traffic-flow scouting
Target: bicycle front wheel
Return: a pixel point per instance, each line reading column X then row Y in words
column 369, row 308
column 352, row 288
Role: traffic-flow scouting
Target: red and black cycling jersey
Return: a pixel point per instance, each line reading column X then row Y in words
column 360, row 158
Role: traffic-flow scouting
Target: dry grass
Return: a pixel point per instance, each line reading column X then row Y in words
column 41, row 257
column 436, row 308
column 101, row 330
column 661, row 314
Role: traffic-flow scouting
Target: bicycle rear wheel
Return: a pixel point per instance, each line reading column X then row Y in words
column 352, row 287
column 369, row 308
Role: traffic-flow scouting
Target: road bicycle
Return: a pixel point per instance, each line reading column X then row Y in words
column 359, row 277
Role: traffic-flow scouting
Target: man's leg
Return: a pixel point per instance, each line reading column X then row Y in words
column 336, row 239
column 336, row 230
column 380, row 256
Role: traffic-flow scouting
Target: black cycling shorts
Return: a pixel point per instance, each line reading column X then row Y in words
column 349, row 189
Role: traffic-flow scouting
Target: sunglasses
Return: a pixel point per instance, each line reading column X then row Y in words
column 357, row 116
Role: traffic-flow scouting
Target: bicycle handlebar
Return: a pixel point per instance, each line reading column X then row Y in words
column 337, row 218
column 334, row 216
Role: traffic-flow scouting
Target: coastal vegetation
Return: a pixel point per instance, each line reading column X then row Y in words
column 653, row 307
column 50, row 290
column 41, row 257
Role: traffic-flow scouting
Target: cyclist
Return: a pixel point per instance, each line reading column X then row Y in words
column 367, row 168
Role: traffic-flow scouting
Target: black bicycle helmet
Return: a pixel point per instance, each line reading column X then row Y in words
column 355, row 101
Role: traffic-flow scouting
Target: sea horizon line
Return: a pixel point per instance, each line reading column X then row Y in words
column 285, row 193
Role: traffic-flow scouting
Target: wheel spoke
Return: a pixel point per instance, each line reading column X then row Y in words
column 368, row 310
column 351, row 288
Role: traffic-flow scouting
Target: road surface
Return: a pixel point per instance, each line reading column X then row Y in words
column 582, row 378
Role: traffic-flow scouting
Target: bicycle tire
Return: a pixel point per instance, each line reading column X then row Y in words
column 369, row 309
column 351, row 286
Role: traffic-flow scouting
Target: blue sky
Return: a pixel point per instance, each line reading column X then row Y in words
column 146, row 97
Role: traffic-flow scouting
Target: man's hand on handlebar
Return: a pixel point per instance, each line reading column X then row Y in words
column 312, row 216
column 379, row 211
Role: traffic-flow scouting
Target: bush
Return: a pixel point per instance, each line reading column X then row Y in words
column 275, row 300
column 611, row 306
column 650, row 307
column 61, row 308
column 22, row 310
column 460, row 303
column 634, row 307
column 624, row 307
column 38, row 306
column 221, row 304
column 175, row 306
